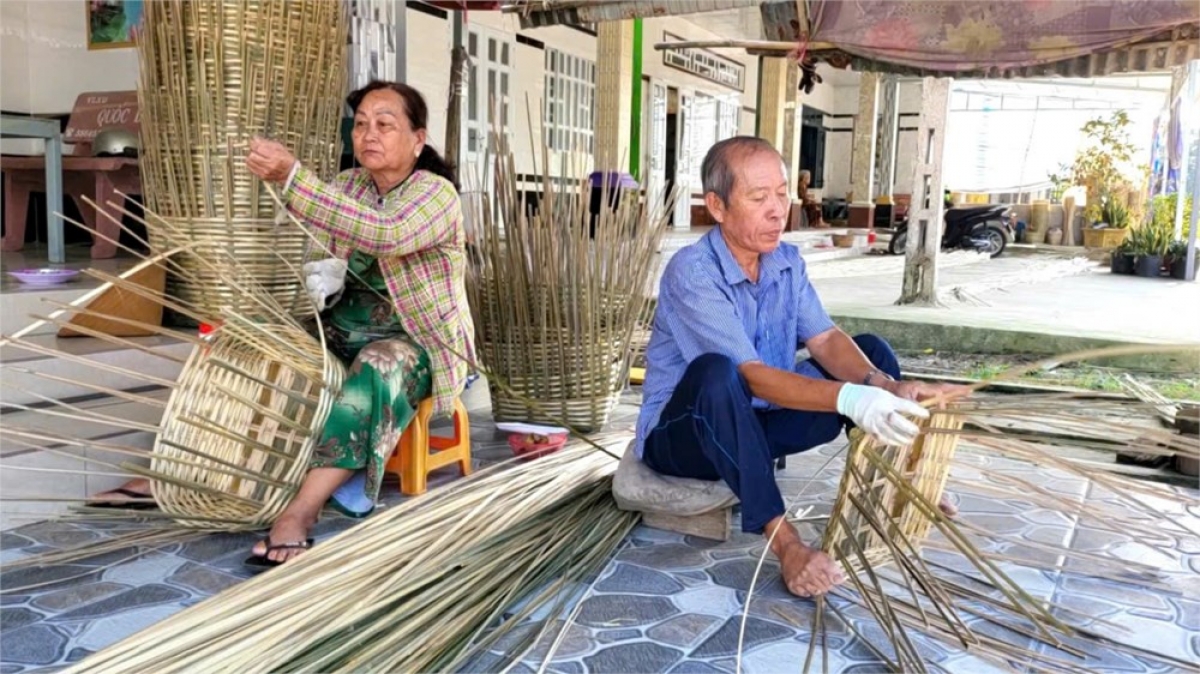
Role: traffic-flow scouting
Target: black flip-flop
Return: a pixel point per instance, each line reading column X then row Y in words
column 265, row 562
column 124, row 505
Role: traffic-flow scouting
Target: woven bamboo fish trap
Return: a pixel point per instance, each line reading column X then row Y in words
column 556, row 293
column 641, row 334
column 885, row 493
column 213, row 75
column 240, row 427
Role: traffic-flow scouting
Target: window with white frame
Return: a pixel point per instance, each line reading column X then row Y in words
column 713, row 119
column 570, row 102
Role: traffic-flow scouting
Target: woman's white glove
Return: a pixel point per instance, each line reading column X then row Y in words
column 880, row 413
column 324, row 279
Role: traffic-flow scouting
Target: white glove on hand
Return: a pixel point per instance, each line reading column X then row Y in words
column 880, row 413
column 324, row 279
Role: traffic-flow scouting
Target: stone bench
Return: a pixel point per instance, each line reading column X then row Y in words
column 693, row 507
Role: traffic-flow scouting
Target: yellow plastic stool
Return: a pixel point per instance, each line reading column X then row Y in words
column 420, row 453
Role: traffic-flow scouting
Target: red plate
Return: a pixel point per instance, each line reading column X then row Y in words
column 527, row 451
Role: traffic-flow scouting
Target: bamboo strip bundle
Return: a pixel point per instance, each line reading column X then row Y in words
column 213, row 74
column 232, row 436
column 424, row 586
column 556, row 294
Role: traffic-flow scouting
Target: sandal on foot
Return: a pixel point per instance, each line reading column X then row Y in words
column 264, row 560
column 131, row 504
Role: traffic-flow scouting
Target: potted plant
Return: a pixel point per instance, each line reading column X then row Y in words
column 1150, row 248
column 1177, row 259
column 1114, row 226
column 1102, row 166
column 1123, row 257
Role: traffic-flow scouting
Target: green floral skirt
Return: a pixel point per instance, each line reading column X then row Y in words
column 388, row 376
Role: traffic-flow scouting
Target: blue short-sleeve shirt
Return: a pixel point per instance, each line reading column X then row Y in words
column 707, row 305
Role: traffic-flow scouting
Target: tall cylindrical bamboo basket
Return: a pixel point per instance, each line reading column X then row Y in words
column 213, row 75
column 556, row 293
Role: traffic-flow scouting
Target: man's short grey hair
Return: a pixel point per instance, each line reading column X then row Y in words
column 805, row 175
column 717, row 173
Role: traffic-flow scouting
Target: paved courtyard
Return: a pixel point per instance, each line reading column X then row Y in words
column 671, row 603
column 665, row 603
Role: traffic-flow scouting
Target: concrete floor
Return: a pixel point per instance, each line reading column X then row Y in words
column 1097, row 304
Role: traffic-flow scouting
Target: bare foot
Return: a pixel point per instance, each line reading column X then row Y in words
column 133, row 491
column 947, row 507
column 288, row 539
column 806, row 572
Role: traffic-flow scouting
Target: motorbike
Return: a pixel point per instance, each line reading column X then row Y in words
column 987, row 229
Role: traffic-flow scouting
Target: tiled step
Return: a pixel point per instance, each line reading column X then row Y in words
column 18, row 303
column 105, row 365
column 38, row 469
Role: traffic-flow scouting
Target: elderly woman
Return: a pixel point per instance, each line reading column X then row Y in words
column 400, row 319
column 396, row 223
column 402, row 315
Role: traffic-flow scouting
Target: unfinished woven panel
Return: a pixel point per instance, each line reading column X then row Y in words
column 213, row 75
column 889, row 494
column 239, row 430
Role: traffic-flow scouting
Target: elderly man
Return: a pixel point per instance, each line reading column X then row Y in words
column 723, row 398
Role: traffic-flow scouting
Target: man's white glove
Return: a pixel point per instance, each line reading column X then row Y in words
column 324, row 279
column 880, row 413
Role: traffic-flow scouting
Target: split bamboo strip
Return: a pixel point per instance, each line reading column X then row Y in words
column 885, row 510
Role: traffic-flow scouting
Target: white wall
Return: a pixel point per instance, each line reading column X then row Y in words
column 45, row 63
column 428, row 64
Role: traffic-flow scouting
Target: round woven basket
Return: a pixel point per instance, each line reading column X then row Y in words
column 240, row 428
column 573, row 380
column 214, row 74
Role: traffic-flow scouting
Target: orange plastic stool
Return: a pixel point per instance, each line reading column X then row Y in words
column 420, row 453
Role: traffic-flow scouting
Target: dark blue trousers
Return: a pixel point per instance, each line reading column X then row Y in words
column 708, row 430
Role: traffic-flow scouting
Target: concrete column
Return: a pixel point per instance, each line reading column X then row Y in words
column 889, row 132
column 614, row 94
column 772, row 96
column 778, row 109
column 862, row 171
column 925, row 212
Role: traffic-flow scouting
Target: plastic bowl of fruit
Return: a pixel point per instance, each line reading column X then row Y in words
column 529, row 446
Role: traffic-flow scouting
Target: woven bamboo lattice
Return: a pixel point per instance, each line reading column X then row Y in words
column 876, row 505
column 213, row 75
column 241, row 424
column 556, row 292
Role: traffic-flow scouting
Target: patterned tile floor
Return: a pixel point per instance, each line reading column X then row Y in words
column 666, row 603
